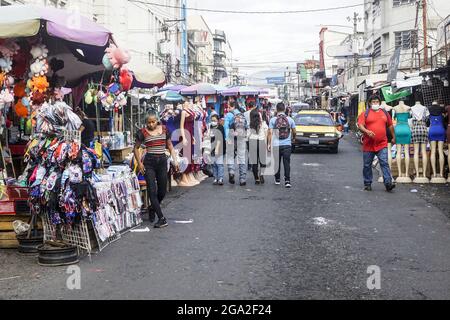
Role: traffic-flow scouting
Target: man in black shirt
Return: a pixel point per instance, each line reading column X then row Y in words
column 87, row 129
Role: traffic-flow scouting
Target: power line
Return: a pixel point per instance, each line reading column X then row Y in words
column 247, row 12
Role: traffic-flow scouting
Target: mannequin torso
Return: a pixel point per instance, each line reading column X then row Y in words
column 402, row 129
column 419, row 112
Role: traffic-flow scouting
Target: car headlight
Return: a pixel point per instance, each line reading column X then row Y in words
column 301, row 134
column 330, row 135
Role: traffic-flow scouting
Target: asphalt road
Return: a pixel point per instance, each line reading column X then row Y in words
column 315, row 241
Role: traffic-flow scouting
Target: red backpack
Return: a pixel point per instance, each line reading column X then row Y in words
column 283, row 127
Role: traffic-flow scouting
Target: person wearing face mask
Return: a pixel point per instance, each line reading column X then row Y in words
column 217, row 136
column 374, row 124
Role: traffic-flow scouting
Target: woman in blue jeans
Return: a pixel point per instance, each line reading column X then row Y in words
column 217, row 135
column 153, row 165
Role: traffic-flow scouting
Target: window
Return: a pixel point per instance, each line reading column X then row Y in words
column 398, row 3
column 376, row 48
column 406, row 39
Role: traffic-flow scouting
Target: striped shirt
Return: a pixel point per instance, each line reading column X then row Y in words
column 155, row 144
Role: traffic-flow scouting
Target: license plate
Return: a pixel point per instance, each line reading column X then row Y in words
column 314, row 141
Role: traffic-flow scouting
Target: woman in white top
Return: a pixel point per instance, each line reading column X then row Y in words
column 257, row 137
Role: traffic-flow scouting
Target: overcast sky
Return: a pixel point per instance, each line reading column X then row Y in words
column 278, row 37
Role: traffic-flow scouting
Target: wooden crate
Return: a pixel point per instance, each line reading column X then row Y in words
column 8, row 238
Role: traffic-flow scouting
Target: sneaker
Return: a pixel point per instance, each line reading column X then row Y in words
column 220, row 182
column 288, row 185
column 257, row 182
column 277, row 182
column 390, row 187
column 162, row 223
column 368, row 188
column 243, row 183
column 151, row 215
column 232, row 180
column 215, row 183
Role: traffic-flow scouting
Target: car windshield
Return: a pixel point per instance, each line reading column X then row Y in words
column 313, row 120
column 298, row 107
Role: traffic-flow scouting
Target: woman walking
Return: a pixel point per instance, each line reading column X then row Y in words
column 257, row 137
column 217, row 136
column 153, row 165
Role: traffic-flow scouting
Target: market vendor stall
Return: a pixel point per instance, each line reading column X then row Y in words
column 40, row 56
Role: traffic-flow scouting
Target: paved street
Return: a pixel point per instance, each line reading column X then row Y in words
column 315, row 241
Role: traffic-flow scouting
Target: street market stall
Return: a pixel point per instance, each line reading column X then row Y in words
column 41, row 55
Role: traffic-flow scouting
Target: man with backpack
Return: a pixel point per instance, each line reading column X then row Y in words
column 374, row 124
column 281, row 133
column 236, row 133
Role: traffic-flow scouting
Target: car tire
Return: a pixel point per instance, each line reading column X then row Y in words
column 335, row 150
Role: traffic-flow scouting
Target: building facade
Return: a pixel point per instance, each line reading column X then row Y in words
column 201, row 56
column 223, row 59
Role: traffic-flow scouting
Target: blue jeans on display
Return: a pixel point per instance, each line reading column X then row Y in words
column 218, row 168
column 368, row 161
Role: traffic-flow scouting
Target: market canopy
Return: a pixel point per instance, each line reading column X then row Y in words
column 145, row 74
column 241, row 91
column 170, row 96
column 173, row 87
column 28, row 20
column 202, row 89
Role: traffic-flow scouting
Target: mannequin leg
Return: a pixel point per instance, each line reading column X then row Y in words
column 416, row 159
column 403, row 176
column 425, row 162
column 441, row 158
column 433, row 158
column 185, row 182
column 448, row 158
column 407, row 160
column 399, row 160
column 435, row 148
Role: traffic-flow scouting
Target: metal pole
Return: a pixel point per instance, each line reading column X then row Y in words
column 425, row 36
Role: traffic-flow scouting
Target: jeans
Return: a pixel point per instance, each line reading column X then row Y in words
column 285, row 153
column 218, row 168
column 257, row 157
column 156, row 178
column 237, row 152
column 368, row 161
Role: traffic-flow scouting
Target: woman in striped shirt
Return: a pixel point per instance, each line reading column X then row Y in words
column 156, row 139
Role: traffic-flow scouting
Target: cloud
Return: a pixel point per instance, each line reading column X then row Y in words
column 278, row 37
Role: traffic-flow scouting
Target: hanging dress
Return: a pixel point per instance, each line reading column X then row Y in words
column 437, row 130
column 419, row 128
column 402, row 129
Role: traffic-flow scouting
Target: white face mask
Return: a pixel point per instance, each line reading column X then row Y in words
column 214, row 123
column 376, row 107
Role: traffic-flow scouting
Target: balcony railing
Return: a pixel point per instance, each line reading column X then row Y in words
column 220, row 53
column 220, row 35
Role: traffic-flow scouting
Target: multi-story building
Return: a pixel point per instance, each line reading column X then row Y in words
column 223, row 58
column 153, row 34
column 202, row 43
column 392, row 24
column 328, row 40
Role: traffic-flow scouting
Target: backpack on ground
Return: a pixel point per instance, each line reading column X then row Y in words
column 283, row 127
column 239, row 125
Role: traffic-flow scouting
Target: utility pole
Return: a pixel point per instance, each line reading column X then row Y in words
column 425, row 36
column 415, row 28
column 355, row 19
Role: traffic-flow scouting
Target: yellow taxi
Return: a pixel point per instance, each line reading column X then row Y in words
column 316, row 129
